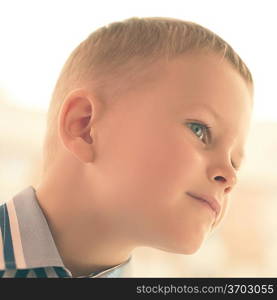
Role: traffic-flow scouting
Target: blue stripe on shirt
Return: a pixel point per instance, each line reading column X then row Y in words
column 6, row 237
column 21, row 273
column 61, row 272
column 40, row 272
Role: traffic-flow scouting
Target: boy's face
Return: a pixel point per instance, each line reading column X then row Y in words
column 152, row 150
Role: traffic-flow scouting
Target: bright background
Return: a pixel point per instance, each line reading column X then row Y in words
column 36, row 39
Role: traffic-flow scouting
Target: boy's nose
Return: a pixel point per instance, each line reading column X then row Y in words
column 228, row 180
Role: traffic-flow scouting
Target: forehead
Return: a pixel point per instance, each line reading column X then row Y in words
column 198, row 73
column 193, row 83
column 206, row 79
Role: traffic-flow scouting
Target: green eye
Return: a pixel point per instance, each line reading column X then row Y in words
column 200, row 130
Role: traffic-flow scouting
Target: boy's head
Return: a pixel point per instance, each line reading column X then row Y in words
column 128, row 117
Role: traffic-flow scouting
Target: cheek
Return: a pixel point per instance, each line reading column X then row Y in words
column 149, row 165
column 146, row 174
column 165, row 162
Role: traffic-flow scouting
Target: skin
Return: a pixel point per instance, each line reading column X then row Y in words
column 121, row 174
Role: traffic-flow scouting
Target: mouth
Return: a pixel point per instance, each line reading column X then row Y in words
column 209, row 201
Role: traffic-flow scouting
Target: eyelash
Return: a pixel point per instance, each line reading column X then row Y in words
column 208, row 133
column 205, row 126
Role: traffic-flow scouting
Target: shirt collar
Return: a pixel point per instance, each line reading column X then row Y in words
column 32, row 242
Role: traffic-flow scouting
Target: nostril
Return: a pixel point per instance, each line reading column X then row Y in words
column 227, row 190
column 220, row 178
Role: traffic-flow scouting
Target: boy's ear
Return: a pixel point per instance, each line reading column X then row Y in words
column 74, row 125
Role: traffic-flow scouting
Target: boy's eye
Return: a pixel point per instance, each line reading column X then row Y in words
column 200, row 130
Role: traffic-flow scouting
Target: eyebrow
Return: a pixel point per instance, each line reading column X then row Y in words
column 213, row 112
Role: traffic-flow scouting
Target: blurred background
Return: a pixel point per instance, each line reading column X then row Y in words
column 36, row 39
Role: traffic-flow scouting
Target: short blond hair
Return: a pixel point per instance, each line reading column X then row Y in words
column 115, row 51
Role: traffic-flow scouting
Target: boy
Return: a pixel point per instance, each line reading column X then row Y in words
column 145, row 134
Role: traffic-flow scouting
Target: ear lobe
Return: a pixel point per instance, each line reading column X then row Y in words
column 81, row 150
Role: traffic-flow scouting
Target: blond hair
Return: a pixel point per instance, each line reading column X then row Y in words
column 123, row 50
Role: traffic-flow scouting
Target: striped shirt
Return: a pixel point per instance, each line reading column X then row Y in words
column 27, row 248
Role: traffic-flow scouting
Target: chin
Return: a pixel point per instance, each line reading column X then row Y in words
column 189, row 243
column 180, row 240
column 189, row 249
column 184, row 247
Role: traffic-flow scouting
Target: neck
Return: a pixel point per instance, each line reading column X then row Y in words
column 87, row 238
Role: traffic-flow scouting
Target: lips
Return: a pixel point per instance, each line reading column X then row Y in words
column 209, row 199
